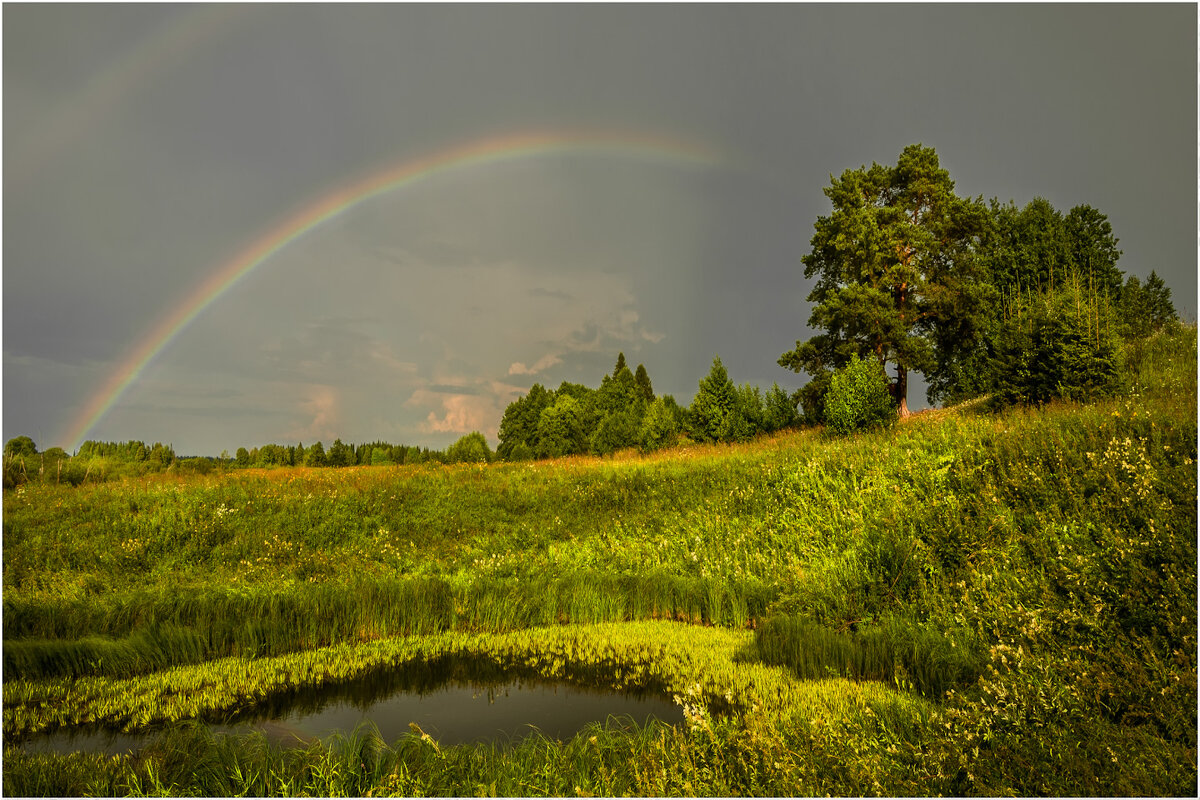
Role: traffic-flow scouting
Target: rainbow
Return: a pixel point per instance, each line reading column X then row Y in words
column 344, row 198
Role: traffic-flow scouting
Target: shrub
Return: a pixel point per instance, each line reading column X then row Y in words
column 471, row 448
column 660, row 426
column 858, row 397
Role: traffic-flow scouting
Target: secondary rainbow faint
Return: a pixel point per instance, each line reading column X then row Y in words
column 661, row 149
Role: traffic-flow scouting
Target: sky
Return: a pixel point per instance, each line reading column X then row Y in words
column 233, row 225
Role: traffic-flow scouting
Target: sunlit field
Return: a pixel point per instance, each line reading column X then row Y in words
column 968, row 603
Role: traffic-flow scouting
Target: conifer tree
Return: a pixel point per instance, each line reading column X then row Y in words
column 715, row 407
column 620, row 364
column 894, row 261
column 642, row 379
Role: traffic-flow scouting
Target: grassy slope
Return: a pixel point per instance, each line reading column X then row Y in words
column 1039, row 566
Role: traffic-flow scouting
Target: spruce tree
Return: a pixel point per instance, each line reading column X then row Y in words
column 642, row 379
column 715, row 406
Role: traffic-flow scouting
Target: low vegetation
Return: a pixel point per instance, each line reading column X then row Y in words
column 968, row 603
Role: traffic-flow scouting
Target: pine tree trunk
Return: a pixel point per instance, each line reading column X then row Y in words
column 902, row 390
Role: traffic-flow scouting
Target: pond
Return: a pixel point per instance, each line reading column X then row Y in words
column 455, row 702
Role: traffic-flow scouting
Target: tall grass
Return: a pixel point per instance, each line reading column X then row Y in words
column 151, row 630
column 1031, row 573
column 895, row 651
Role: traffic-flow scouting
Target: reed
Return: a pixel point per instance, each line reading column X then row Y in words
column 895, row 651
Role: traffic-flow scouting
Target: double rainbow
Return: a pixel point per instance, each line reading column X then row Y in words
column 664, row 150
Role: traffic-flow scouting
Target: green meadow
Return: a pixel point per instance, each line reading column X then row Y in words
column 967, row 603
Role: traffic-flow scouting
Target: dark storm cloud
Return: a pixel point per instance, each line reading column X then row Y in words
column 146, row 146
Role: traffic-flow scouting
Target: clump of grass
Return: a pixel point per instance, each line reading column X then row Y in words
column 895, row 651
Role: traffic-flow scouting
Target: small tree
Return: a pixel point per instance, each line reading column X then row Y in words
column 520, row 422
column 471, row 448
column 642, row 379
column 715, row 407
column 1061, row 345
column 660, row 426
column 315, row 457
column 779, row 410
column 858, row 397
column 560, row 429
column 20, row 446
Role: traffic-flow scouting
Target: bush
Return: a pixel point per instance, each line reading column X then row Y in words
column 472, row 448
column 660, row 426
column 858, row 397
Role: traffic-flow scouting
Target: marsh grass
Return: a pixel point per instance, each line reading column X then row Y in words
column 895, row 651
column 164, row 628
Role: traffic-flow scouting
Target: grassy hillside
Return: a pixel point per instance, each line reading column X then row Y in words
column 974, row 603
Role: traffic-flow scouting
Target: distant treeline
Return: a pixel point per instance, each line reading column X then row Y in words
column 100, row 461
column 339, row 454
column 95, row 461
column 624, row 412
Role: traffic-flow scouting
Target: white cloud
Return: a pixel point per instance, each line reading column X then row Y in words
column 545, row 362
column 321, row 408
column 462, row 413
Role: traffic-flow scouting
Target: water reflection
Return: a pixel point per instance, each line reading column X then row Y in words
column 454, row 700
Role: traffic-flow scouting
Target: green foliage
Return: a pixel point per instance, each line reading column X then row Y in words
column 1060, row 346
column 661, row 424
column 811, row 397
column 645, row 388
column 895, row 261
column 315, row 456
column 95, row 462
column 617, row 430
column 1092, row 249
column 472, row 448
column 894, row 651
column 858, row 397
column 340, row 454
column 1030, row 572
column 560, row 429
column 520, row 422
column 619, row 405
column 779, row 410
column 715, row 412
column 750, row 411
column 1145, row 309
column 19, row 447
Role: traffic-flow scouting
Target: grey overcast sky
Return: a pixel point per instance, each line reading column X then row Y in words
column 148, row 147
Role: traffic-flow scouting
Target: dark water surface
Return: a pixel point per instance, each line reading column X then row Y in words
column 448, row 706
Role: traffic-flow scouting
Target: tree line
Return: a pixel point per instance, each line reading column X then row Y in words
column 100, row 461
column 339, row 454
column 624, row 412
column 1022, row 304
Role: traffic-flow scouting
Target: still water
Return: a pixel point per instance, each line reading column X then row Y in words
column 448, row 707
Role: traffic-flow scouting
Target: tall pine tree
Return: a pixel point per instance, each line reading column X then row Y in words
column 894, row 261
